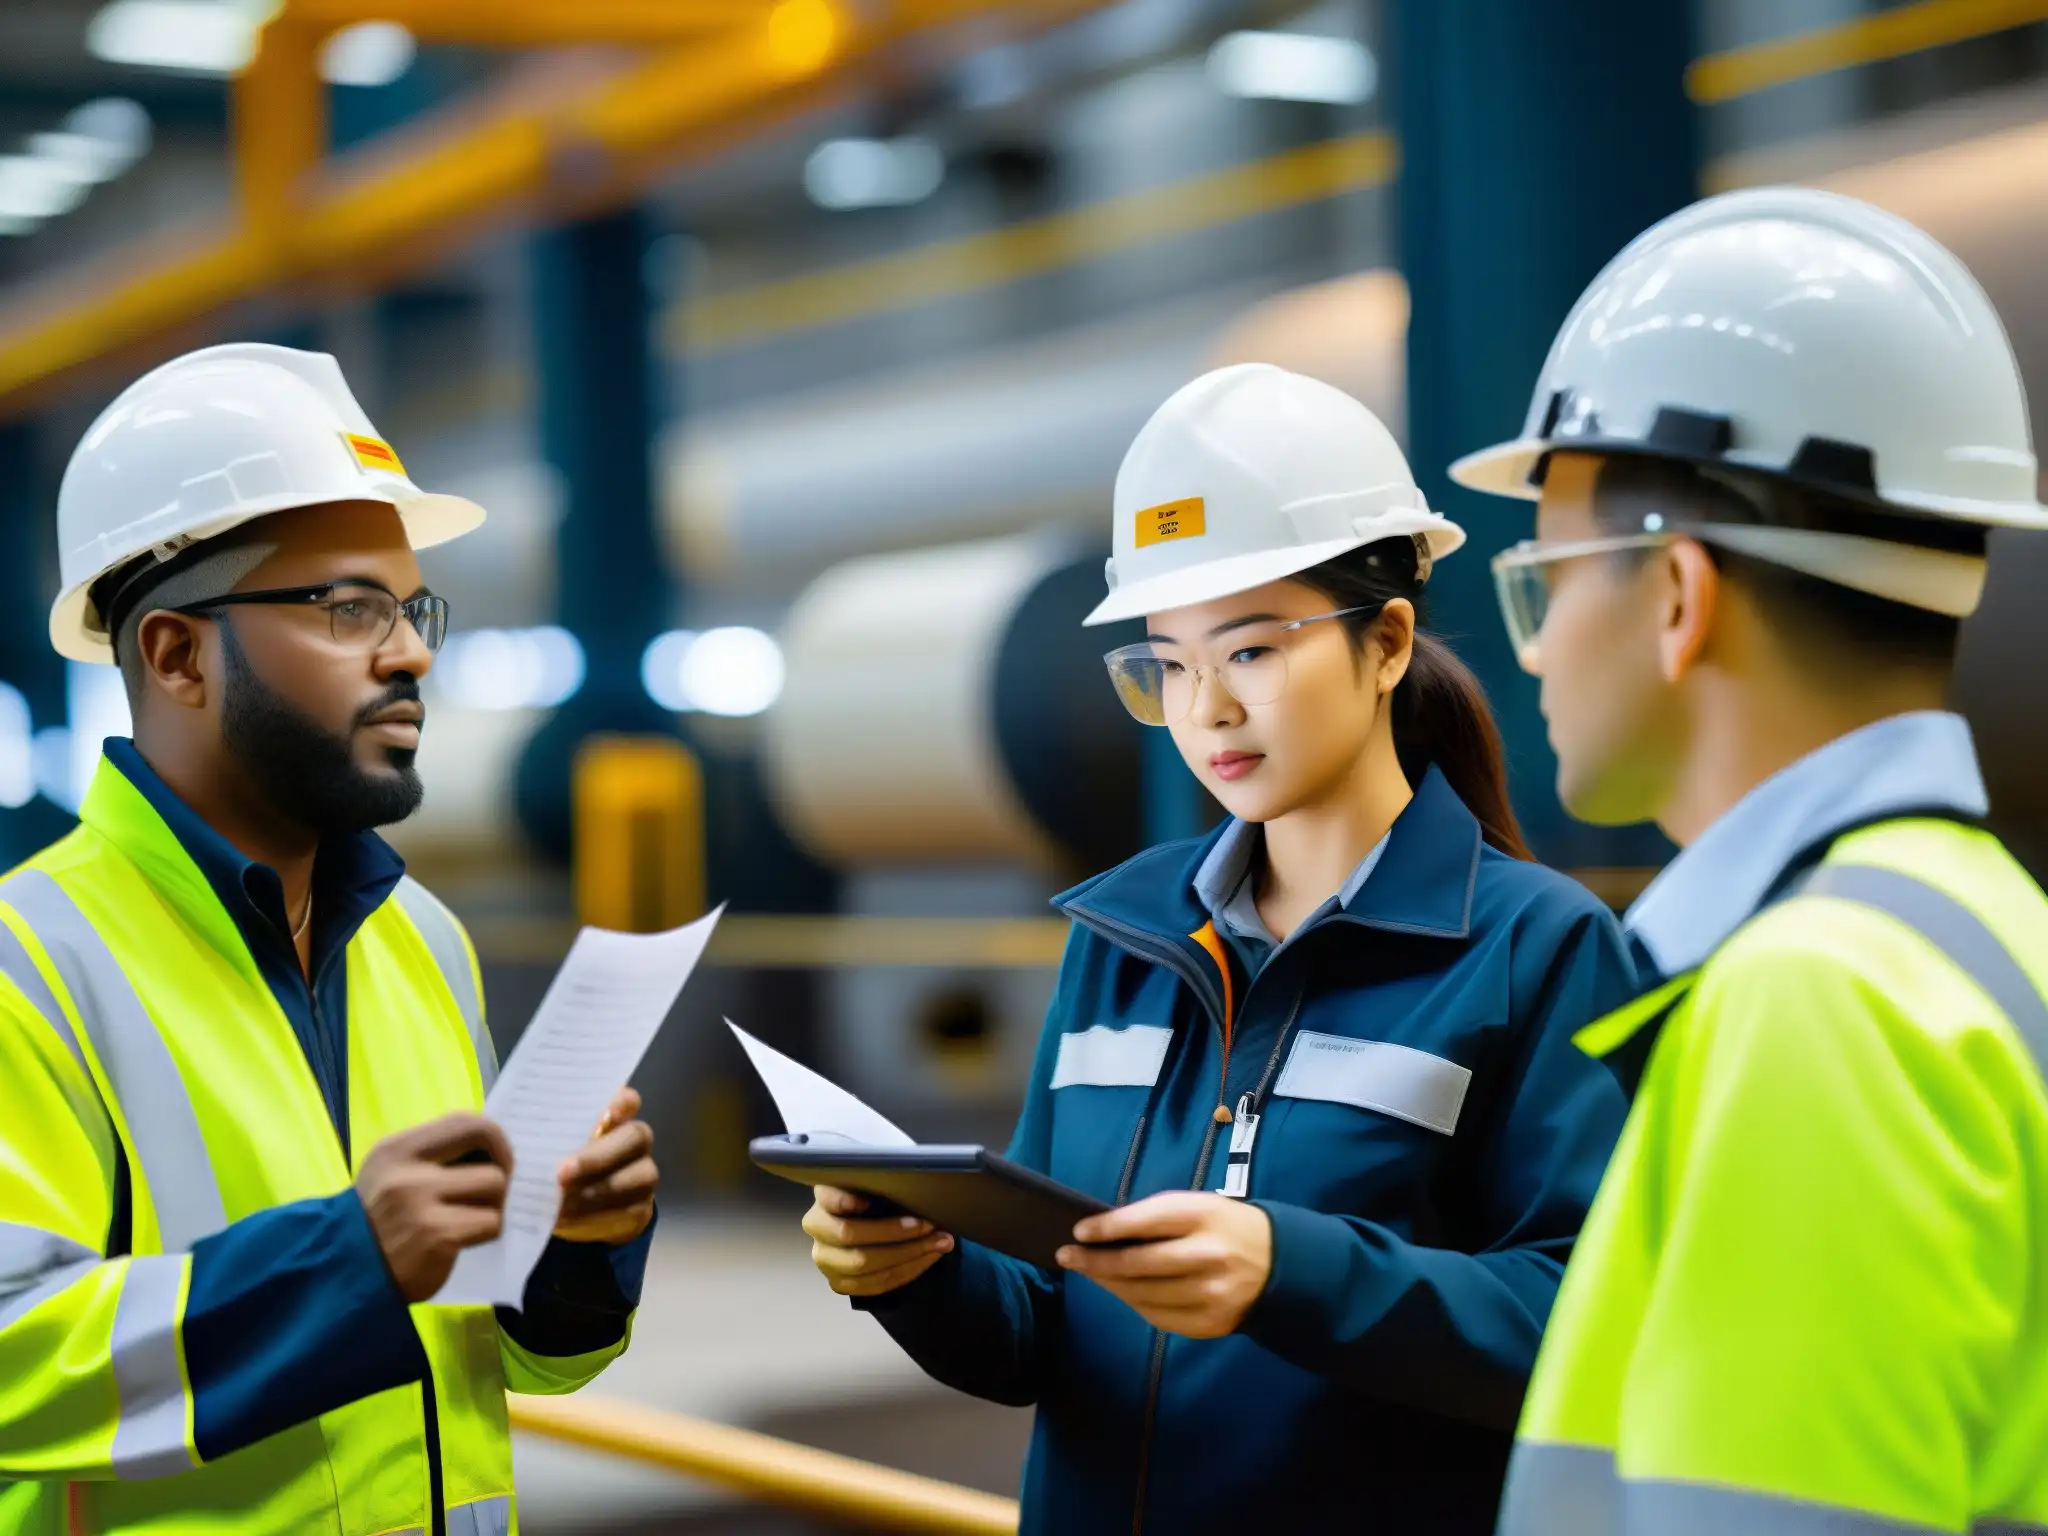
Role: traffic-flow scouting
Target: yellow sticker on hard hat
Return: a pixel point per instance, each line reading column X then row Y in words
column 373, row 453
column 1170, row 520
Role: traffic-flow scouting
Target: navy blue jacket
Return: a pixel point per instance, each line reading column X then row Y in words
column 1421, row 1216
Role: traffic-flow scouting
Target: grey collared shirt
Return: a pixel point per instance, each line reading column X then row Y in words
column 1913, row 762
column 1224, row 885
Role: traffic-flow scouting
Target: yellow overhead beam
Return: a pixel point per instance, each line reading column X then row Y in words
column 536, row 23
column 280, row 103
column 1868, row 39
column 397, row 202
column 905, row 279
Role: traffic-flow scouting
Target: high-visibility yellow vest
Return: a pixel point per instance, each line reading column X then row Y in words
column 1811, row 1298
column 133, row 1022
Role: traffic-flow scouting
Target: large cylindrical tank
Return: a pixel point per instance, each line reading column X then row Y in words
column 946, row 706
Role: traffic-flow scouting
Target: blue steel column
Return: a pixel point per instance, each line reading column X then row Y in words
column 1537, row 138
column 596, row 382
column 28, row 584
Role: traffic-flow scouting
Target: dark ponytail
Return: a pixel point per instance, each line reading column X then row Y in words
column 1440, row 715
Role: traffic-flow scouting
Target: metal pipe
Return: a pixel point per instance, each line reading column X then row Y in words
column 778, row 1472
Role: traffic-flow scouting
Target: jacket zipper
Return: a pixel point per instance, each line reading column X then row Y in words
column 1145, row 946
column 1251, row 1107
column 430, row 1406
column 330, row 1077
column 1123, row 1185
column 430, row 1415
column 430, row 1403
column 1157, row 1370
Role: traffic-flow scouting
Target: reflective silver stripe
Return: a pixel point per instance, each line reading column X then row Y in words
column 34, row 1266
column 1572, row 1490
column 150, row 1441
column 22, row 971
column 1105, row 1056
column 486, row 1517
column 1951, row 928
column 161, row 1124
column 445, row 943
column 1697, row 1509
column 1560, row 1490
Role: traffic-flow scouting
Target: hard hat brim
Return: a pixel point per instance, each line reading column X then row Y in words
column 1503, row 469
column 1214, row 579
column 428, row 518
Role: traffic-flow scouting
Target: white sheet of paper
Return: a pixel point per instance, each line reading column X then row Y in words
column 599, row 1015
column 813, row 1105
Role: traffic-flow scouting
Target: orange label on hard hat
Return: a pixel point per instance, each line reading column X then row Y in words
column 373, row 453
column 1170, row 520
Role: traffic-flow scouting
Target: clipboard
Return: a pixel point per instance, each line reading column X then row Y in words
column 968, row 1191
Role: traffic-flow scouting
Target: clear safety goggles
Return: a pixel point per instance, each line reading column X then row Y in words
column 1523, row 576
column 1937, row 580
column 1160, row 689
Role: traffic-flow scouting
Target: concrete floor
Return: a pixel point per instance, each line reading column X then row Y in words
column 736, row 1326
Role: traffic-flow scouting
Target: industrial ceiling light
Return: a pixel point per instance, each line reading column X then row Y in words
column 734, row 671
column 536, row 668
column 218, row 37
column 201, row 37
column 1291, row 66
column 97, row 141
column 844, row 174
column 371, row 53
column 33, row 189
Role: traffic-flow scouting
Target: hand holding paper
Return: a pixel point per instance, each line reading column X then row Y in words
column 595, row 1022
column 608, row 1188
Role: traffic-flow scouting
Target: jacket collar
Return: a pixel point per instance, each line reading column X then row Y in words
column 231, row 899
column 1914, row 764
column 1422, row 884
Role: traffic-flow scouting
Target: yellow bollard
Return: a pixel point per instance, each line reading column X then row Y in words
column 639, row 833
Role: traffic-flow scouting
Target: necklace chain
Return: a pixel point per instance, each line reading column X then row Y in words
column 300, row 931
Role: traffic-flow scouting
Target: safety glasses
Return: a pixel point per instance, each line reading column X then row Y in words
column 1524, row 574
column 1160, row 690
column 360, row 614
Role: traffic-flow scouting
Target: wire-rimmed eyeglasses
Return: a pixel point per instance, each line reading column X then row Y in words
column 360, row 614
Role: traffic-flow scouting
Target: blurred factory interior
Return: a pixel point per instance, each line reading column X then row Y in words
column 792, row 346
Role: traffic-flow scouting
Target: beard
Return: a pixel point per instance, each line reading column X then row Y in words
column 307, row 773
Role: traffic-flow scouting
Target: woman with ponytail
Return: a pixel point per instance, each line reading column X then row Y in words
column 1320, row 1062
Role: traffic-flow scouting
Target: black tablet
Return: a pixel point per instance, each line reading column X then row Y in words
column 969, row 1191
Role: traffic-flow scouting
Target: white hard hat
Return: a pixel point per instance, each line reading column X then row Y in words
column 1800, row 335
column 209, row 441
column 1249, row 474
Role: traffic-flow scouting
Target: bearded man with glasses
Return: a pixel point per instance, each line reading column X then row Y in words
column 242, row 1054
